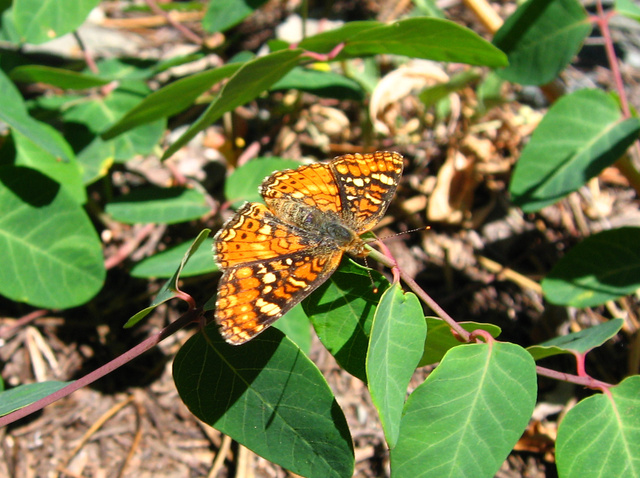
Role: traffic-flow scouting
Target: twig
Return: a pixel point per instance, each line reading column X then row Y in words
column 223, row 451
column 128, row 247
column 94, row 428
column 177, row 25
column 8, row 330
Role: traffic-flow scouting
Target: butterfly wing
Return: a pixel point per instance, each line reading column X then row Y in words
column 269, row 267
column 366, row 185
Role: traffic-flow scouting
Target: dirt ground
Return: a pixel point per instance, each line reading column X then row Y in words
column 133, row 423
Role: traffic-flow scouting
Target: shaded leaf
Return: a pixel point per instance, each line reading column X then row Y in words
column 59, row 77
column 169, row 289
column 67, row 173
column 295, row 325
column 14, row 113
column 251, row 79
column 242, row 185
column 341, row 311
column 158, row 205
column 327, row 84
column 162, row 264
column 97, row 114
column 581, row 134
column 602, row 267
column 268, row 396
column 540, row 39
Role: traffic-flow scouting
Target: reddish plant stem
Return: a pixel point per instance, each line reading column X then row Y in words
column 583, row 379
column 482, row 336
column 580, row 365
column 395, row 270
column 88, row 57
column 149, row 343
column 588, row 382
column 422, row 295
column 128, row 247
column 177, row 25
column 322, row 56
column 8, row 330
column 602, row 20
column 624, row 164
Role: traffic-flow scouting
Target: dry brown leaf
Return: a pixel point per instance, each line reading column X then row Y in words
column 453, row 195
column 385, row 107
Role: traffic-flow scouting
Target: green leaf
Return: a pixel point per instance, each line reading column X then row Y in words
column 162, row 264
column 628, row 8
column 580, row 135
column 423, row 37
column 14, row 113
column 242, row 185
column 126, row 69
column 602, row 267
column 39, row 22
column 158, row 205
column 8, row 31
column 433, row 94
column 541, row 38
column 251, row 79
column 342, row 310
column 67, row 173
column 224, row 14
column 295, row 325
column 268, row 396
column 54, row 256
column 23, row 395
column 577, row 342
column 600, row 435
column 99, row 113
column 170, row 99
column 96, row 159
column 170, row 288
column 59, row 77
column 489, row 92
column 327, row 84
column 427, row 8
column 468, row 414
column 440, row 339
column 396, row 345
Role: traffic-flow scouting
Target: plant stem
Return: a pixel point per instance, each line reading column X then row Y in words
column 426, row 298
column 624, row 164
column 588, row 382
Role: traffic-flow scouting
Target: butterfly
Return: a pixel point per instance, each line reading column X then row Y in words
column 274, row 255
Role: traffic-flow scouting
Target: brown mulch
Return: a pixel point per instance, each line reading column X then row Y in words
column 475, row 261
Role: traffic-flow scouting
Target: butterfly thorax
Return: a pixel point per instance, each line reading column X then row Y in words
column 326, row 227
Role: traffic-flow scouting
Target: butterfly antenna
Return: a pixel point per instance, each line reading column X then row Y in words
column 373, row 284
column 424, row 228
